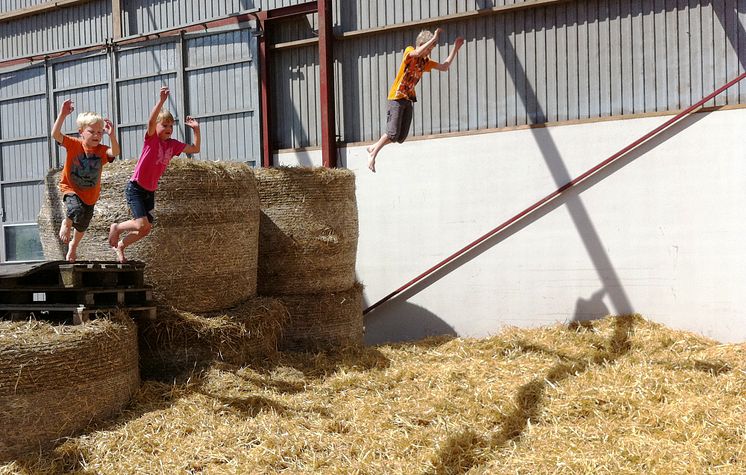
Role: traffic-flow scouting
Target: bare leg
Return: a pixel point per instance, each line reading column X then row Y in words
column 65, row 229
column 138, row 229
column 113, row 235
column 72, row 248
column 374, row 149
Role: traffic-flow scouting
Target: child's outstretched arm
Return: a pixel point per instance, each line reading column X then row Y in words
column 194, row 125
column 447, row 63
column 114, row 150
column 153, row 119
column 67, row 108
column 424, row 48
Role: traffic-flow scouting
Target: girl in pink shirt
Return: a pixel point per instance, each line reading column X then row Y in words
column 157, row 151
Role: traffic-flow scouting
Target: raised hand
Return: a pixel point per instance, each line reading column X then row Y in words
column 191, row 122
column 438, row 31
column 459, row 42
column 163, row 95
column 108, row 127
column 67, row 107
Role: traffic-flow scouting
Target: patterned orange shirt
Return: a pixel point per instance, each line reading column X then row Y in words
column 81, row 174
column 410, row 73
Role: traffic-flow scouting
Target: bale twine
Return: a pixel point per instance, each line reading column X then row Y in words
column 324, row 321
column 179, row 343
column 56, row 380
column 201, row 254
column 308, row 230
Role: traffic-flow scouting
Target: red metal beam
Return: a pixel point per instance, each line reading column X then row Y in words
column 560, row 190
column 326, row 80
column 306, row 8
column 264, row 101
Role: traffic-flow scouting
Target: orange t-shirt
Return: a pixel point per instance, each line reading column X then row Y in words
column 81, row 174
column 410, row 73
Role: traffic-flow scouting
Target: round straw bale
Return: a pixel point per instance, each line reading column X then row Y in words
column 201, row 254
column 55, row 380
column 178, row 343
column 324, row 321
column 308, row 230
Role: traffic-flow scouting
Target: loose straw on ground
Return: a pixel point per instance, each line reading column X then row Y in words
column 621, row 395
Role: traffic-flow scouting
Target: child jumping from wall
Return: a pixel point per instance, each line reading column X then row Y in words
column 157, row 151
column 80, row 183
column 402, row 96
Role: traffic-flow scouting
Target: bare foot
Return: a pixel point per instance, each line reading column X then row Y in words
column 72, row 254
column 113, row 235
column 371, row 158
column 65, row 230
column 120, row 252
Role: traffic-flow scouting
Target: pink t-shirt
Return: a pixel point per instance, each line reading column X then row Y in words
column 155, row 157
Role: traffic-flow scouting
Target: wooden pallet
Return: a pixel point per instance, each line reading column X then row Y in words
column 101, row 274
column 76, row 314
column 76, row 295
column 74, row 292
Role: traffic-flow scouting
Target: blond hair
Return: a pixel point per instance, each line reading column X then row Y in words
column 164, row 114
column 424, row 37
column 88, row 118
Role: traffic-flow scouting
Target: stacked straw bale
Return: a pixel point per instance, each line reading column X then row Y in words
column 201, row 254
column 308, row 235
column 308, row 230
column 56, row 380
column 324, row 321
column 179, row 343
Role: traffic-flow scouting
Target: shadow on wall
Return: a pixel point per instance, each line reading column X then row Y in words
column 403, row 321
column 587, row 310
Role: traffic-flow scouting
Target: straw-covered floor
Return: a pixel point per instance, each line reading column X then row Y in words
column 56, row 379
column 201, row 254
column 308, row 230
column 177, row 343
column 622, row 395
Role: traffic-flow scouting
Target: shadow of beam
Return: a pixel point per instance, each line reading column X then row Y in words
column 462, row 451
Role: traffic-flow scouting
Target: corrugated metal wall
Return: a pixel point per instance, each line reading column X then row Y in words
column 13, row 5
column 572, row 60
column 213, row 77
column 73, row 27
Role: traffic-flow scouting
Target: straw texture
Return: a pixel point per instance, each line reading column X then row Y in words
column 55, row 380
column 201, row 254
column 617, row 396
column 308, row 230
column 323, row 321
column 179, row 343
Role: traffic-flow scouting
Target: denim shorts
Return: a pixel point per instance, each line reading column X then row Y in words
column 398, row 119
column 140, row 201
column 78, row 212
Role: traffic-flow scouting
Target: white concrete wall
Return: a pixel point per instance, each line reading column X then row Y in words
column 662, row 234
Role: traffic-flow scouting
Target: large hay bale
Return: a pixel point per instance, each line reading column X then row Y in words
column 325, row 321
column 178, row 343
column 201, row 254
column 56, row 380
column 308, row 230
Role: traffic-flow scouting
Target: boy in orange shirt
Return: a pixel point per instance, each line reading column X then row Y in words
column 402, row 96
column 80, row 183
